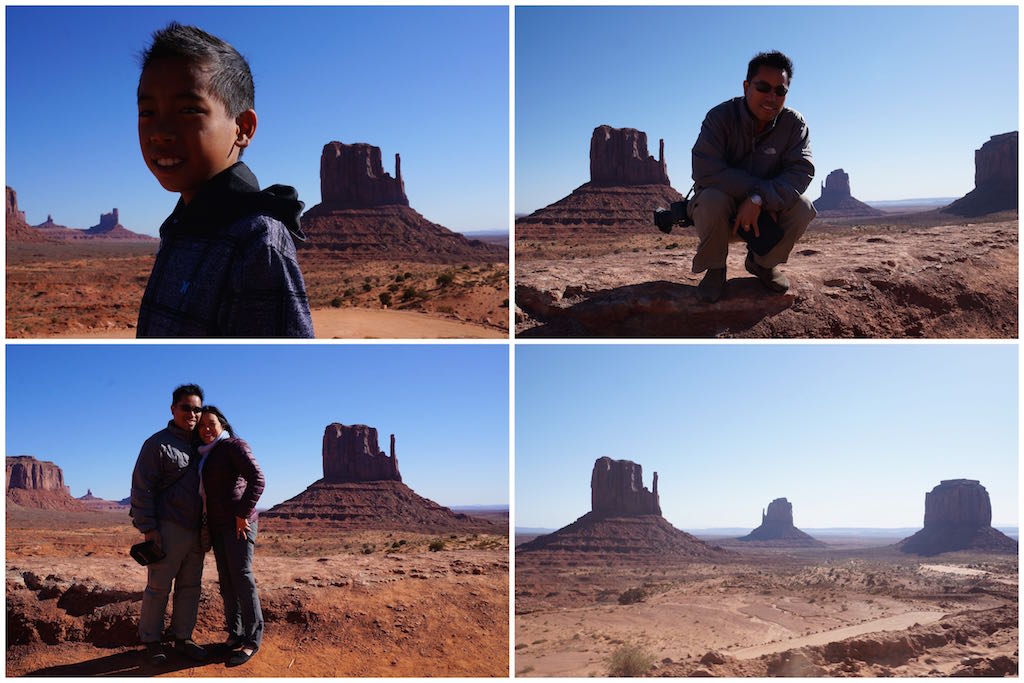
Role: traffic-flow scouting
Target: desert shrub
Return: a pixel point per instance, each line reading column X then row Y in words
column 367, row 287
column 445, row 279
column 394, row 287
column 396, row 544
column 336, row 302
column 674, row 245
column 366, row 279
column 632, row 596
column 399, row 277
column 349, row 292
column 409, row 293
column 385, row 298
column 629, row 660
column 436, row 545
column 407, row 275
column 368, row 548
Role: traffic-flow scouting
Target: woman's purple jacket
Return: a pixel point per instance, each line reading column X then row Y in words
column 233, row 483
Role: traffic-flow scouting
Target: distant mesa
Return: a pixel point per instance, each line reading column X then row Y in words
column 33, row 483
column 957, row 516
column 626, row 185
column 836, row 200
column 995, row 179
column 364, row 213
column 18, row 229
column 362, row 489
column 109, row 228
column 777, row 528
column 624, row 520
column 94, row 503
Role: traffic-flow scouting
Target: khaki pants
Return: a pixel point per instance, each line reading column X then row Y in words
column 183, row 567
column 713, row 213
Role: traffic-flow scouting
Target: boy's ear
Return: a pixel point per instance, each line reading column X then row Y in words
column 245, row 127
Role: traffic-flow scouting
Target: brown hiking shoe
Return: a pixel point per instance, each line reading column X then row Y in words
column 771, row 278
column 710, row 288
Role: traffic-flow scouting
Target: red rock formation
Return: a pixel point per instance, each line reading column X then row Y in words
column 38, row 484
column 365, row 214
column 351, row 454
column 618, row 157
column 352, row 177
column 995, row 179
column 18, row 229
column 616, row 489
column 836, row 199
column 777, row 527
column 626, row 185
column 957, row 516
column 362, row 489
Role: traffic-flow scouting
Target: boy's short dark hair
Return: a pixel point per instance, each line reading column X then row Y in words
column 230, row 77
column 187, row 390
column 774, row 59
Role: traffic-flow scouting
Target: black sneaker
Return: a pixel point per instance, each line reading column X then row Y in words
column 155, row 654
column 239, row 657
column 188, row 648
column 710, row 288
column 771, row 278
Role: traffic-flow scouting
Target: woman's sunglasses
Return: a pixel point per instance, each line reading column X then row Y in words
column 762, row 86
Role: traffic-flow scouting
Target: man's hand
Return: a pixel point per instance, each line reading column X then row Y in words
column 154, row 536
column 746, row 217
column 241, row 527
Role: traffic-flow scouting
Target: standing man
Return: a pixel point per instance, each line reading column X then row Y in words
column 166, row 507
column 753, row 154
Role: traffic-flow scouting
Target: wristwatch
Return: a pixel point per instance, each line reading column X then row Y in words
column 756, row 199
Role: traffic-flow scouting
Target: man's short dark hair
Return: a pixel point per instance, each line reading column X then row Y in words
column 230, row 77
column 186, row 390
column 774, row 59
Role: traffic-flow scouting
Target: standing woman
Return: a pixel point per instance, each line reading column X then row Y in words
column 231, row 483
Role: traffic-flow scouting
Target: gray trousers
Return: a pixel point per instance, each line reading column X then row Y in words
column 243, row 617
column 713, row 213
column 183, row 567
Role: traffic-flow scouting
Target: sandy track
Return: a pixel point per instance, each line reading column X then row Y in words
column 898, row 622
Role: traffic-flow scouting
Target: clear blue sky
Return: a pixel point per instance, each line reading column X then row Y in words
column 88, row 408
column 899, row 97
column 430, row 83
column 852, row 435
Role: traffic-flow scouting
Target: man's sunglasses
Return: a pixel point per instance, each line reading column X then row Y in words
column 762, row 86
column 185, row 408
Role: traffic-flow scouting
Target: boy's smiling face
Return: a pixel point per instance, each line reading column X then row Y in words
column 186, row 133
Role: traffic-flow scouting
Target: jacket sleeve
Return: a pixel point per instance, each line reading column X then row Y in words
column 244, row 462
column 266, row 294
column 781, row 191
column 145, row 479
column 710, row 165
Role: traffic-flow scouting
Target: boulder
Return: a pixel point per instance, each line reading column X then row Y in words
column 616, row 489
column 352, row 176
column 351, row 453
column 995, row 179
column 618, row 156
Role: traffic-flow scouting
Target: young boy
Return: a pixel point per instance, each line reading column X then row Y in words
column 226, row 266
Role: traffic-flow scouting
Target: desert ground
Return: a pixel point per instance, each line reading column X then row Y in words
column 924, row 274
column 812, row 612
column 93, row 289
column 336, row 602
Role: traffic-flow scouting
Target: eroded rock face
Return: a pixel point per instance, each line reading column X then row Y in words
column 780, row 511
column 351, row 454
column 995, row 179
column 996, row 161
column 352, row 176
column 958, row 502
column 18, row 229
column 777, row 527
column 618, row 156
column 108, row 221
column 837, row 185
column 25, row 472
column 617, row 489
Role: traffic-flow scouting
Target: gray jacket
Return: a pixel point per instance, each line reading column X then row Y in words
column 165, row 482
column 731, row 157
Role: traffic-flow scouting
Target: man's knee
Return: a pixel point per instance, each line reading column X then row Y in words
column 712, row 206
column 800, row 214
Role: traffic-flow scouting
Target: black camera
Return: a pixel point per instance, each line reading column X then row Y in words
column 676, row 214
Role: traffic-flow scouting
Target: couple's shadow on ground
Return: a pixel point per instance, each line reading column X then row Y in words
column 664, row 309
column 130, row 663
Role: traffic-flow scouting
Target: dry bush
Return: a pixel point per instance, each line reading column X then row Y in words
column 630, row 660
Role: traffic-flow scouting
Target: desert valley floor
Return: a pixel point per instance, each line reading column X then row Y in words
column 844, row 610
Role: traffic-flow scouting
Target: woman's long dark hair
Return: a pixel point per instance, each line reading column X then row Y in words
column 220, row 417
